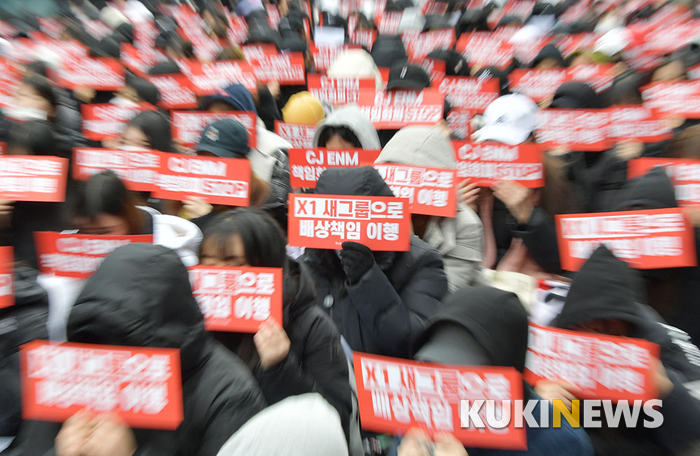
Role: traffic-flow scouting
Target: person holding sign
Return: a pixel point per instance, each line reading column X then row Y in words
column 268, row 159
column 141, row 297
column 460, row 240
column 302, row 353
column 227, row 138
column 519, row 231
column 485, row 326
column 379, row 300
column 20, row 219
column 605, row 298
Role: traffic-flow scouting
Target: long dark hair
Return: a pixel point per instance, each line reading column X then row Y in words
column 105, row 193
column 263, row 239
column 156, row 127
column 344, row 132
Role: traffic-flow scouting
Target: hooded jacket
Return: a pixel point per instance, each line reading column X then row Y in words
column 487, row 326
column 315, row 362
column 350, row 117
column 387, row 50
column 576, row 95
column 607, row 289
column 389, row 306
column 141, row 296
column 550, row 51
column 459, row 240
column 19, row 324
column 671, row 292
column 298, row 426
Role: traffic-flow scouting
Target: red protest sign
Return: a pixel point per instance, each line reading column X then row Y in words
column 583, row 130
column 600, row 77
column 237, row 299
column 140, row 59
column 436, row 8
column 338, row 91
column 422, row 44
column 470, row 93
column 364, row 38
column 602, row 367
column 395, row 395
column 459, row 121
column 77, row 255
column 325, row 56
column 568, row 44
column 286, row 69
column 388, row 22
column 29, row 178
column 542, row 84
column 396, row 109
column 536, row 84
column 103, row 74
column 429, row 191
column 486, row 163
column 175, row 91
column 681, row 98
column 326, row 221
column 685, row 175
column 218, row 180
column 485, row 49
column 7, row 292
column 306, row 165
column 106, row 120
column 637, row 123
column 650, row 239
column 210, row 78
column 298, row 136
column 137, row 169
column 188, row 126
column 254, row 52
column 668, row 39
column 142, row 385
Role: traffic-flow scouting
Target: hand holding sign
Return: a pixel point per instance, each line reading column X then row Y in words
column 109, row 437
column 272, row 344
column 356, row 259
column 557, row 391
column 516, row 198
column 468, row 194
column 105, row 435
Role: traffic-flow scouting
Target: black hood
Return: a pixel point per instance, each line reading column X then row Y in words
column 455, row 63
column 653, row 190
column 388, row 50
column 362, row 181
column 141, row 296
column 494, row 318
column 576, row 95
column 604, row 289
column 299, row 291
column 550, row 51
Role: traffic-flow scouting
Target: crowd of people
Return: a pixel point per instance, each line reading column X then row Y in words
column 462, row 294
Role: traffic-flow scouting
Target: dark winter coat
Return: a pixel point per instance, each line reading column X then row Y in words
column 20, row 323
column 141, row 296
column 315, row 363
column 607, row 289
column 389, row 306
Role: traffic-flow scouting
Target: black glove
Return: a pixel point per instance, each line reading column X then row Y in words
column 356, row 259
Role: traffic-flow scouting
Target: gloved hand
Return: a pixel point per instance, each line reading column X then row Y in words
column 356, row 259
